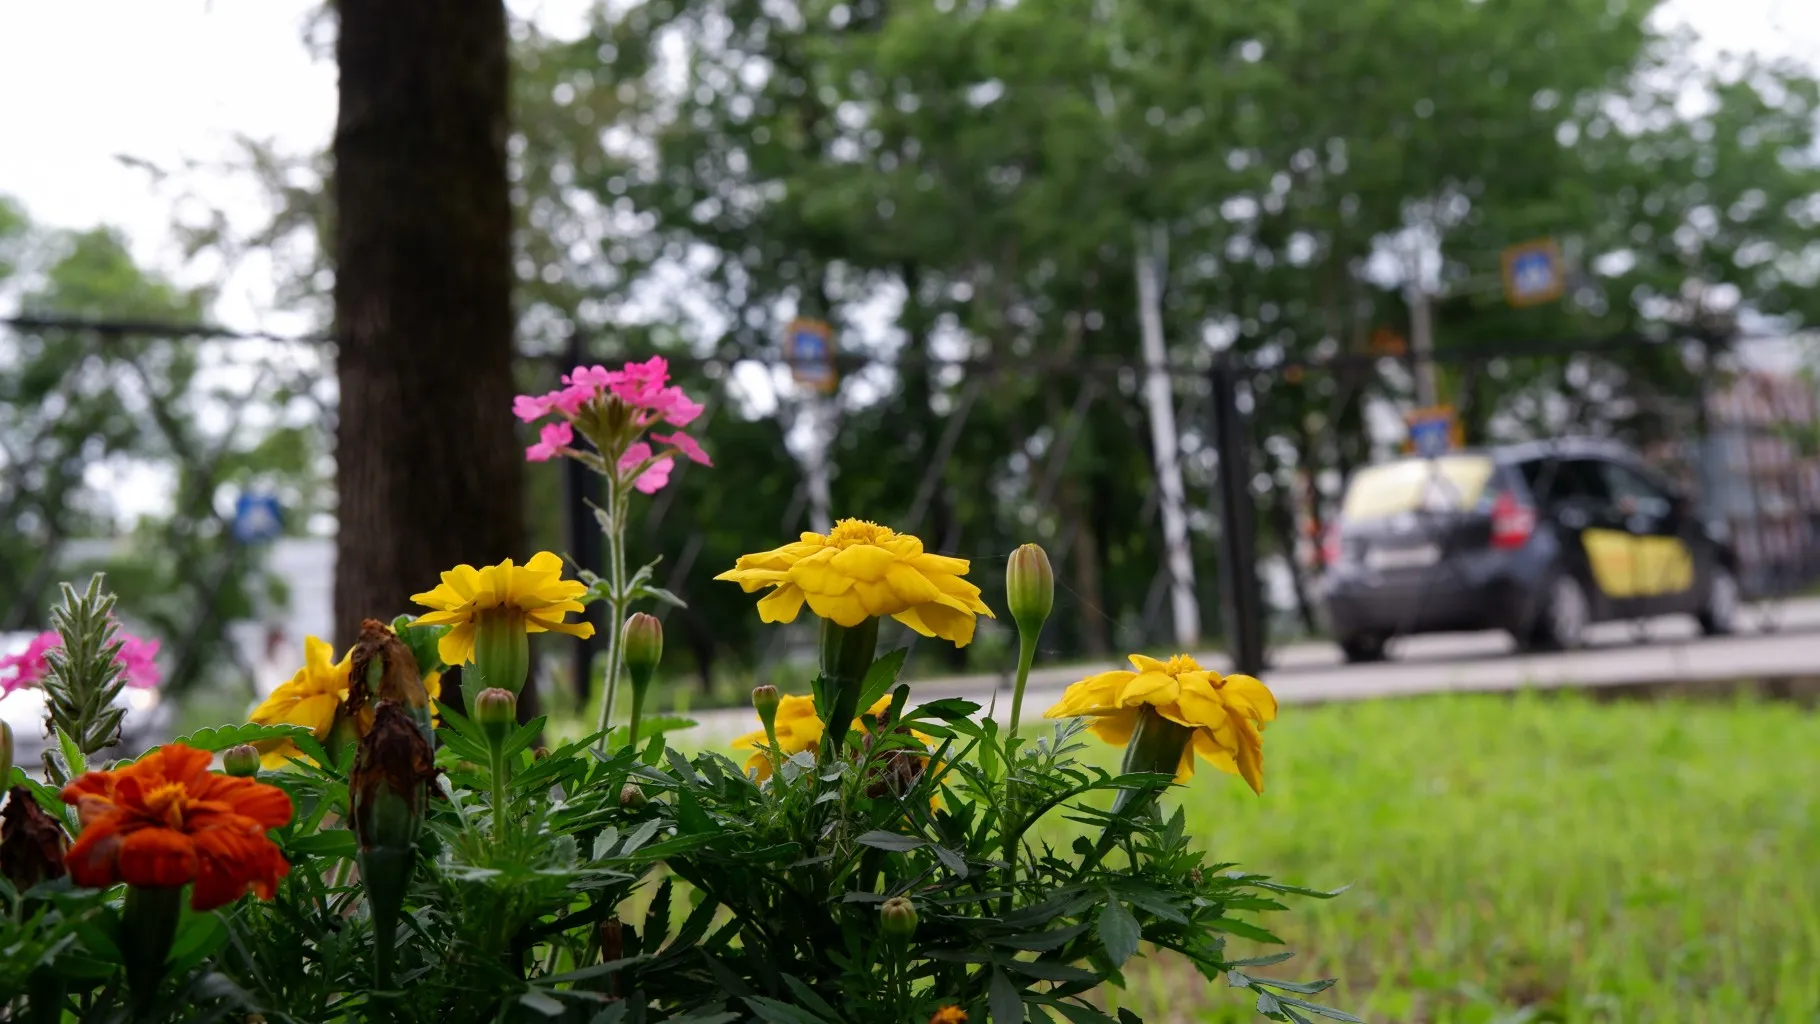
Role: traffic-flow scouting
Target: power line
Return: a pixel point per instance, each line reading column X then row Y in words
column 1030, row 365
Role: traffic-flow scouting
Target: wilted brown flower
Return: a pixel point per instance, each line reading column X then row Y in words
column 32, row 844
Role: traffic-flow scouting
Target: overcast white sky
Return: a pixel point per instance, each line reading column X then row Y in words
column 176, row 80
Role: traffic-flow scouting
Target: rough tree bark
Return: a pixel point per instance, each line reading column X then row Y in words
column 428, row 468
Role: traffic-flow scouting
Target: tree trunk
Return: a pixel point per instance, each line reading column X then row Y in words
column 428, row 467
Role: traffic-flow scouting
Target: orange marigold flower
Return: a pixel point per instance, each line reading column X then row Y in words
column 167, row 820
column 949, row 1015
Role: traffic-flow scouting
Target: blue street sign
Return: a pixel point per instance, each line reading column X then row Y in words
column 257, row 518
column 1432, row 431
column 1533, row 273
column 809, row 349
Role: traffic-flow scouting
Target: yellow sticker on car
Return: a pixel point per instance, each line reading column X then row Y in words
column 1663, row 565
column 1613, row 557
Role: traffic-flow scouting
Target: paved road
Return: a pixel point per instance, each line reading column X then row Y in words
column 1778, row 639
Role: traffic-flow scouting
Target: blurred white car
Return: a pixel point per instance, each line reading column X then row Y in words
column 147, row 718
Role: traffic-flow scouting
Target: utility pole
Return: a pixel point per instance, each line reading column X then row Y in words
column 1158, row 396
column 1421, row 328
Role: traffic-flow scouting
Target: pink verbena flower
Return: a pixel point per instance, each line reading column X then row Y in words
column 552, row 439
column 641, row 388
column 685, row 444
column 655, row 477
column 140, row 660
column 137, row 658
column 28, row 667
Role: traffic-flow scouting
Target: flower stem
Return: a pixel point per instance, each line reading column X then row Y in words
column 148, row 926
column 498, row 757
column 1026, row 656
column 617, row 500
column 638, row 707
column 846, row 655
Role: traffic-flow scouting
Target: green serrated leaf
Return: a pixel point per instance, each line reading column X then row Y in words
column 1244, row 930
column 891, row 841
column 1004, row 1000
column 1051, row 970
column 220, row 738
column 1078, row 1014
column 1325, row 1011
column 773, row 1012
column 1119, row 932
column 661, row 596
column 547, row 1005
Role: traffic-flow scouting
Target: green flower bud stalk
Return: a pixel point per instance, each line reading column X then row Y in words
column 388, row 792
column 384, row 668
column 632, row 797
column 846, row 655
column 897, row 918
column 6, row 754
column 32, row 843
column 496, row 712
column 242, row 761
column 1030, row 596
column 766, row 700
column 643, row 642
column 502, row 652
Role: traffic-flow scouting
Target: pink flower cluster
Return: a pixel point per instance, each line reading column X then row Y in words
column 646, row 388
column 28, row 668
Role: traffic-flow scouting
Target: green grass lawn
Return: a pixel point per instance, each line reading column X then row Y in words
column 1531, row 858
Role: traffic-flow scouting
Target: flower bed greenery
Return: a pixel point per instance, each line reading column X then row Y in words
column 370, row 853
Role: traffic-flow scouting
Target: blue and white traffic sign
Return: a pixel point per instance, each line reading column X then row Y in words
column 1533, row 273
column 809, row 349
column 257, row 518
column 1433, row 431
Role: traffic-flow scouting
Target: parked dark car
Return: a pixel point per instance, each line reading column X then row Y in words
column 1538, row 539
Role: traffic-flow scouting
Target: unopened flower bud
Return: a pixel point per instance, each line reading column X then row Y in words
column 897, row 917
column 644, row 645
column 1029, row 587
column 631, row 797
column 496, row 712
column 241, row 761
column 539, row 753
column 765, row 700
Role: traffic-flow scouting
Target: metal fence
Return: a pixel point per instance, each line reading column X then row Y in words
column 134, row 445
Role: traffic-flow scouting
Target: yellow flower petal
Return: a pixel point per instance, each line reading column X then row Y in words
column 860, row 570
column 782, row 604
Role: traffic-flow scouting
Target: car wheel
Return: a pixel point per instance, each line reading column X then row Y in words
column 1719, row 615
column 1363, row 648
column 1561, row 623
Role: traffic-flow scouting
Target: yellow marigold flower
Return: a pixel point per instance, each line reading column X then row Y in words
column 798, row 729
column 309, row 699
column 949, row 1015
column 535, row 590
column 312, row 697
column 1226, row 713
column 860, row 570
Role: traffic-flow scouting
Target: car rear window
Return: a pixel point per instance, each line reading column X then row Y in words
column 1450, row 482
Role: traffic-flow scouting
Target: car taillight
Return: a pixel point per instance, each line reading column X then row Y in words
column 1331, row 549
column 1511, row 522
